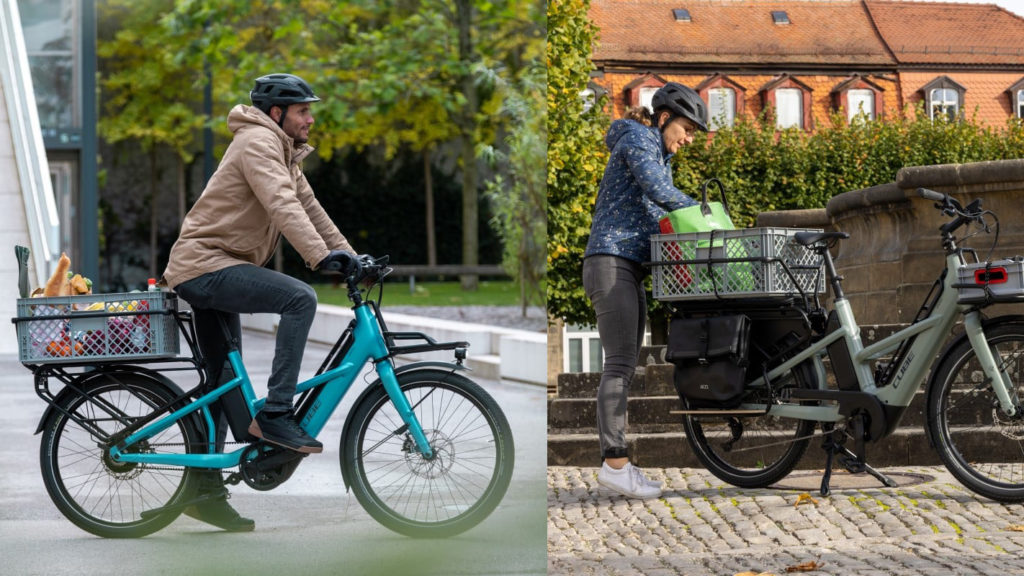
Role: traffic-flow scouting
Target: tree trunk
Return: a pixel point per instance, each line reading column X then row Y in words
column 182, row 201
column 152, row 212
column 467, row 121
column 429, row 192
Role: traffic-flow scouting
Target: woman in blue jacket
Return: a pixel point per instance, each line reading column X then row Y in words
column 635, row 192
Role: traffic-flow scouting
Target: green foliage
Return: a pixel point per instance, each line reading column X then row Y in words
column 397, row 293
column 519, row 202
column 576, row 156
column 763, row 169
column 395, row 78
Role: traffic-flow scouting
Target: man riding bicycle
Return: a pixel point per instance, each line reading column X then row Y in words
column 257, row 194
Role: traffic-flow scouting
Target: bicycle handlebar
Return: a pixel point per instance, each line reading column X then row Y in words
column 951, row 207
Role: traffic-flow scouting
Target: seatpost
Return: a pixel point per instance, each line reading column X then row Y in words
column 834, row 279
column 228, row 337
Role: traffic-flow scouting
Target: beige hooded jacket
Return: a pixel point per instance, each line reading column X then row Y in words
column 257, row 193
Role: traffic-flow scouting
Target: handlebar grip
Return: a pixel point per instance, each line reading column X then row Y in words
column 931, row 195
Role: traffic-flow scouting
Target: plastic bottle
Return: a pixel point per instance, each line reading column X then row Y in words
column 151, row 287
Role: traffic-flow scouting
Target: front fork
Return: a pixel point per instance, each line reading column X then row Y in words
column 991, row 364
column 386, row 371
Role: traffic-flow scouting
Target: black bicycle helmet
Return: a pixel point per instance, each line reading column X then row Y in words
column 280, row 90
column 680, row 101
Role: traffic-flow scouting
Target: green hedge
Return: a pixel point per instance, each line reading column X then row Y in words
column 763, row 169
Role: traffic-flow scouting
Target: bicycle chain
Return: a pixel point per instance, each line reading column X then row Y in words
column 790, row 441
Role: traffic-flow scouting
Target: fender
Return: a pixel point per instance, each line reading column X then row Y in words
column 146, row 373
column 413, row 367
column 985, row 323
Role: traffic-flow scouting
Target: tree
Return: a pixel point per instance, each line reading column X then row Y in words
column 576, row 156
column 147, row 94
column 520, row 202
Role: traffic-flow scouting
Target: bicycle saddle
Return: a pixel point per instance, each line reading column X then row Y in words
column 809, row 238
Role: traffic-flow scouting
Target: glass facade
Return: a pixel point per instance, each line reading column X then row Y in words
column 50, row 28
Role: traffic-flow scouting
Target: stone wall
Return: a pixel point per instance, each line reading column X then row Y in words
column 894, row 253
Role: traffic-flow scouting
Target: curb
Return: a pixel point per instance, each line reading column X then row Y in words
column 495, row 353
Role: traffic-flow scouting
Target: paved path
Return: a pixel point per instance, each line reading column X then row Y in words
column 928, row 525
column 310, row 525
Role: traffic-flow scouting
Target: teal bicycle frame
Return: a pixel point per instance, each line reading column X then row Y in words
column 368, row 344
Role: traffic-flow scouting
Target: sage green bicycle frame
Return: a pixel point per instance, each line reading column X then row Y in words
column 930, row 334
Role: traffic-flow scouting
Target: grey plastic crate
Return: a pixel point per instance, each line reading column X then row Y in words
column 985, row 282
column 96, row 327
column 747, row 263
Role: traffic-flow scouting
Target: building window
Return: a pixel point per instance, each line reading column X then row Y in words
column 943, row 101
column 721, row 108
column 646, row 94
column 50, row 27
column 860, row 102
column 790, row 100
column 943, row 97
column 1020, row 103
column 789, row 109
column 725, row 100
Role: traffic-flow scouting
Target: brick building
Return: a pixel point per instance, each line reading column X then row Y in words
column 810, row 58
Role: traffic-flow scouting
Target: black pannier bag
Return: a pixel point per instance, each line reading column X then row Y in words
column 710, row 357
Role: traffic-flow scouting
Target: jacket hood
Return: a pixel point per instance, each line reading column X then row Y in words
column 618, row 129
column 625, row 127
column 242, row 116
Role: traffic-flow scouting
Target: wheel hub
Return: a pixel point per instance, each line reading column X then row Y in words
column 439, row 464
column 124, row 470
column 1011, row 427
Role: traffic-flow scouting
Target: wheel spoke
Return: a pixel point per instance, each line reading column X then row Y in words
column 461, row 482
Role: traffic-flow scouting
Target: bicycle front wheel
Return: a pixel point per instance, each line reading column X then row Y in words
column 752, row 451
column 98, row 494
column 980, row 445
column 454, row 490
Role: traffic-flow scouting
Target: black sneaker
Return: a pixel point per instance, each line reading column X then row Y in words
column 283, row 430
column 217, row 512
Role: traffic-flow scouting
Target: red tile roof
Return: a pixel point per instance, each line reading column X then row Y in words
column 949, row 33
column 820, row 32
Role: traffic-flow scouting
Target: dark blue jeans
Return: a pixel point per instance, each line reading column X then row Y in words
column 245, row 289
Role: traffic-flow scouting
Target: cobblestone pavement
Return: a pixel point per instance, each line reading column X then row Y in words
column 928, row 525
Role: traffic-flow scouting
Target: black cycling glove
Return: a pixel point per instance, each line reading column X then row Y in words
column 340, row 261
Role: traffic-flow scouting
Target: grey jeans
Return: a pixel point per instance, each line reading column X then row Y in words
column 247, row 289
column 615, row 288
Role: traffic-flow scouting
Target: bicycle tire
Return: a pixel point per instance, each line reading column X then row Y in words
column 979, row 445
column 100, row 496
column 460, row 486
column 768, row 447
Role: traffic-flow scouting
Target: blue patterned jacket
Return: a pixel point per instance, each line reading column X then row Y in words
column 635, row 192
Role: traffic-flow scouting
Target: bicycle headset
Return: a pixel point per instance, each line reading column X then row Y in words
column 280, row 90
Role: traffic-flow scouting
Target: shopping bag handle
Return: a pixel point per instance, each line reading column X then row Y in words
column 704, row 207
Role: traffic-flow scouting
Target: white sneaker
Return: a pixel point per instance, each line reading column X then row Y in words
column 628, row 481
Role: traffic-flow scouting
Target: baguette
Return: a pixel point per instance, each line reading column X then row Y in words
column 57, row 285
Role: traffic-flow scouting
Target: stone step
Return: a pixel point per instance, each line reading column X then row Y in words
column 653, row 414
column 905, row 447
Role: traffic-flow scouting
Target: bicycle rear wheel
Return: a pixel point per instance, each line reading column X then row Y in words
column 982, row 447
column 752, row 451
column 449, row 493
column 97, row 494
